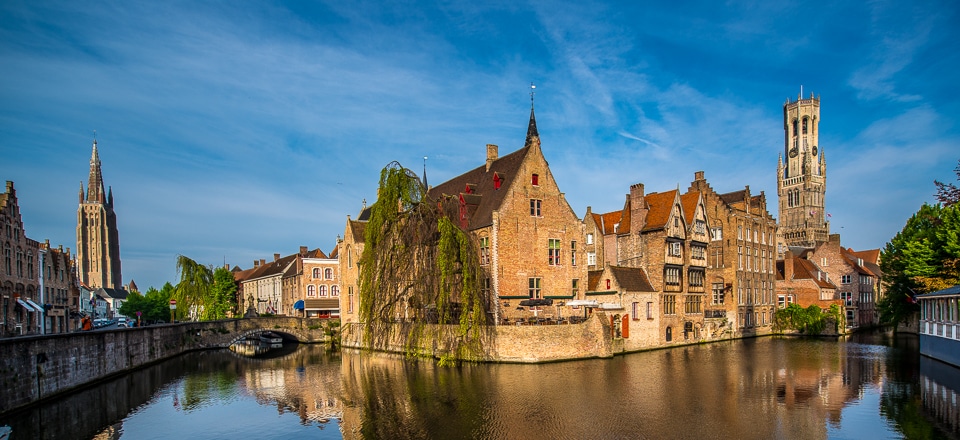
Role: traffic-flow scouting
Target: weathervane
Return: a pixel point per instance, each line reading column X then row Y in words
column 533, row 89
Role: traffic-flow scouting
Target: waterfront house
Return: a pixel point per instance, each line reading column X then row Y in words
column 800, row 281
column 940, row 325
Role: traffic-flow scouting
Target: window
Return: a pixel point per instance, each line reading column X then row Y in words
column 535, row 205
column 576, row 288
column 716, row 234
column 311, row 291
column 496, row 181
column 485, row 287
column 700, row 227
column 323, row 290
column 349, row 299
column 674, row 249
column 553, row 252
column 328, row 273
column 316, row 272
column 649, row 310
column 349, row 257
column 739, row 232
column 590, row 238
column 671, row 278
column 696, row 279
column 740, row 257
column 845, row 279
column 717, row 293
column 698, row 252
column 591, row 258
column 535, row 180
column 608, row 283
column 573, row 253
column 847, row 298
column 30, row 265
column 805, row 125
column 692, row 304
column 335, row 290
column 781, row 301
column 534, row 287
column 484, row 250
column 669, row 304
column 748, row 234
column 635, row 309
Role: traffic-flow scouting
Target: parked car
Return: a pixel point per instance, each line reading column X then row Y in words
column 122, row 322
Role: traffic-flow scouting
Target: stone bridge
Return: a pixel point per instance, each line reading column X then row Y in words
column 33, row 368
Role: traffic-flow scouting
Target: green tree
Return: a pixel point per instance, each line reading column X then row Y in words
column 923, row 257
column 152, row 305
column 224, row 292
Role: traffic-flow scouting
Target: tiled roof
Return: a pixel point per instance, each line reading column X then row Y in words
column 606, row 222
column 733, row 197
column 334, row 252
column 805, row 269
column 689, row 203
column 358, row 228
column 870, row 255
column 486, row 197
column 661, row 204
column 108, row 292
column 632, row 279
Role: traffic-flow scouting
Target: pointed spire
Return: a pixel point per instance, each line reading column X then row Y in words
column 426, row 187
column 81, row 192
column 532, row 134
column 95, row 192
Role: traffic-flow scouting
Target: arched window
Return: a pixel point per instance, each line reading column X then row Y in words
column 349, row 257
column 334, row 290
column 316, row 272
column 328, row 273
column 311, row 290
column 805, row 125
column 794, row 127
column 323, row 290
column 669, row 335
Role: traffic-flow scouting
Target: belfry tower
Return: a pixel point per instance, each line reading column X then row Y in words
column 98, row 241
column 802, row 177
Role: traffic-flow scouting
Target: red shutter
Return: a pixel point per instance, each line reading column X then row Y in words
column 625, row 330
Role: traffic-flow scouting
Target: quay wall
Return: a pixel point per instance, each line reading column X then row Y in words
column 33, row 368
column 501, row 343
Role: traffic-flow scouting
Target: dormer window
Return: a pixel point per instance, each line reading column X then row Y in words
column 535, row 180
column 496, row 181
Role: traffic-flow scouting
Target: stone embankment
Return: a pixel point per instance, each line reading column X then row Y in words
column 33, row 368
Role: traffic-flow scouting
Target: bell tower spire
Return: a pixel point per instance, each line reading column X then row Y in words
column 801, row 176
column 98, row 240
column 95, row 192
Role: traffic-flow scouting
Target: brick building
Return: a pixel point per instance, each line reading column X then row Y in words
column 800, row 281
column 275, row 287
column 666, row 235
column 321, row 285
column 21, row 308
column 740, row 257
column 857, row 279
column 98, row 239
column 350, row 248
column 60, row 288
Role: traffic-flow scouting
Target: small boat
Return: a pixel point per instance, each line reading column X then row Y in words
column 271, row 338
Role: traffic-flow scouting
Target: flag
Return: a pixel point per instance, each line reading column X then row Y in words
column 828, row 215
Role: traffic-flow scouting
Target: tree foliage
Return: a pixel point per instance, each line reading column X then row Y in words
column 947, row 193
column 418, row 266
column 923, row 257
column 203, row 293
column 810, row 321
column 154, row 305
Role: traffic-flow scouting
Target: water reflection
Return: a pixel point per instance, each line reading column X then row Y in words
column 867, row 386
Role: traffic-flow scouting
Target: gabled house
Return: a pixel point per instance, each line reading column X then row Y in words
column 632, row 304
column 740, row 258
column 321, row 285
column 530, row 239
column 803, row 282
column 857, row 280
column 349, row 250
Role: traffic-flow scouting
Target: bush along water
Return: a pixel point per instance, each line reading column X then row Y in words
column 808, row 321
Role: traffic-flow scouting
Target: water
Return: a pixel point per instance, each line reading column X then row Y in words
column 767, row 388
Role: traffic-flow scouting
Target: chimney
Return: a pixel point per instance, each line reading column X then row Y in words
column 276, row 256
column 788, row 266
column 697, row 176
column 834, row 238
column 256, row 264
column 638, row 208
column 303, row 250
column 263, row 261
column 492, row 155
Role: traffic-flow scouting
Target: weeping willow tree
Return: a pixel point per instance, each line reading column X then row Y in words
column 194, row 289
column 417, row 268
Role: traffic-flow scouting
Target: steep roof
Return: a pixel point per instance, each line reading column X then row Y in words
column 661, row 204
column 334, row 252
column 804, row 269
column 593, row 279
column 733, row 197
column 606, row 222
column 358, row 228
column 109, row 292
column 689, row 203
column 632, row 279
column 486, row 197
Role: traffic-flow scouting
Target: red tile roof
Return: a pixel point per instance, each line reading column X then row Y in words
column 632, row 279
column 661, row 204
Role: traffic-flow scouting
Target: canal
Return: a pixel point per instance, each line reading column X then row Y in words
column 871, row 385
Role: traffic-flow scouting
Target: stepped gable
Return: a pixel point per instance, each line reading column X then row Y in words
column 632, row 279
column 661, row 204
column 485, row 196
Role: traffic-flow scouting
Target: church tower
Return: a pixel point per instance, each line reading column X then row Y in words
column 802, row 177
column 98, row 241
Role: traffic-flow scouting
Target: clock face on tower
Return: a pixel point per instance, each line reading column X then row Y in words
column 814, row 150
column 793, row 152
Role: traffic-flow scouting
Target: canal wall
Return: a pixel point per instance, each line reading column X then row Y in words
column 501, row 343
column 33, row 368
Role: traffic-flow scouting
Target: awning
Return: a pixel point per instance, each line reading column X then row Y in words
column 322, row 304
column 583, row 302
column 36, row 306
column 298, row 305
column 611, row 306
column 26, row 306
column 536, row 302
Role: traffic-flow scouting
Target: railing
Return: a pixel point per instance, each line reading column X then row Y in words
column 714, row 313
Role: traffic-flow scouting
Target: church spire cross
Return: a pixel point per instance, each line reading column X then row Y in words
column 533, row 136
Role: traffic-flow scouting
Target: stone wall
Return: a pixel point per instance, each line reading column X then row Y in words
column 37, row 367
column 505, row 343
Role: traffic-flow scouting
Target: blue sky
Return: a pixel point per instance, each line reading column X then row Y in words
column 233, row 130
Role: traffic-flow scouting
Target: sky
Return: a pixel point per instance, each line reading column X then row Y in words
column 230, row 131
